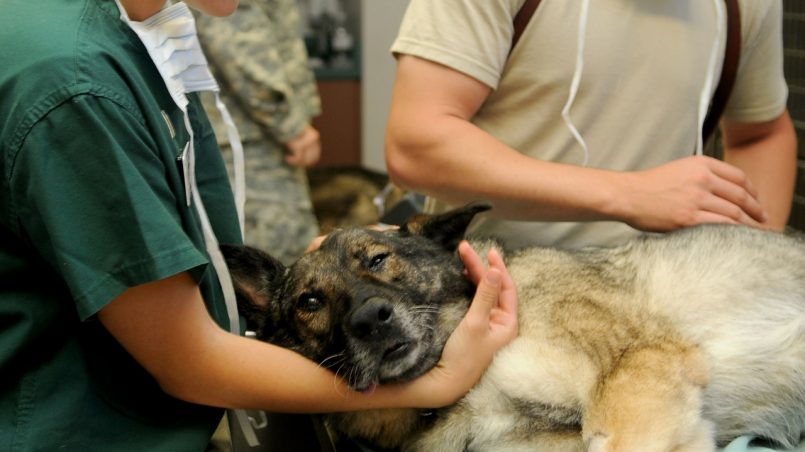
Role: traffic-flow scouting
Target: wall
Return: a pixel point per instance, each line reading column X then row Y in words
column 380, row 20
column 794, row 41
column 339, row 82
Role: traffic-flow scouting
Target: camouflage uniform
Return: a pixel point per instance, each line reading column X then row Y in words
column 259, row 59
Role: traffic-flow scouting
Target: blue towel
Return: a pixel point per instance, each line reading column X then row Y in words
column 744, row 444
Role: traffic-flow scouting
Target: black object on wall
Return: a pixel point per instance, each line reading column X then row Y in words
column 794, row 43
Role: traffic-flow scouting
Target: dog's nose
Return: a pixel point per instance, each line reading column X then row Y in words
column 373, row 317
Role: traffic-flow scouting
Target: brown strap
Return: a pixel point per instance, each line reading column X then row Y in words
column 521, row 20
column 732, row 56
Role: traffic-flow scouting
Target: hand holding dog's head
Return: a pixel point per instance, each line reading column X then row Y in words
column 374, row 306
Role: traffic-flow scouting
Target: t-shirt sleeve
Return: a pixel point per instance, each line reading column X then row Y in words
column 472, row 37
column 92, row 195
column 760, row 92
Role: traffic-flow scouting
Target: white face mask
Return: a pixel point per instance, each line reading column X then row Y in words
column 170, row 38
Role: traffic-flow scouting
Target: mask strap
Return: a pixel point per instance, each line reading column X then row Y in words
column 707, row 89
column 574, row 84
column 240, row 416
column 238, row 160
column 211, row 242
column 124, row 16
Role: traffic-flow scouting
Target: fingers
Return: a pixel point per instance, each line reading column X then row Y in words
column 304, row 155
column 486, row 295
column 496, row 260
column 495, row 302
column 691, row 191
column 719, row 210
column 383, row 227
column 732, row 186
column 475, row 267
column 507, row 299
column 732, row 174
column 304, row 149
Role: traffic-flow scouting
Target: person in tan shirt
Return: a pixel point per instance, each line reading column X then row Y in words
column 469, row 121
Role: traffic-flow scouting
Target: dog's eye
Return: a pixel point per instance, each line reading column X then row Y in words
column 309, row 302
column 376, row 261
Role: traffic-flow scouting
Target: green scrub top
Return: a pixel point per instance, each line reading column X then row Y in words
column 92, row 202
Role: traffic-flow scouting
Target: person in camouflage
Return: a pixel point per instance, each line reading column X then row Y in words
column 259, row 59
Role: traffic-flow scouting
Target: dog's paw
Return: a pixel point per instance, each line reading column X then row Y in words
column 700, row 440
column 598, row 443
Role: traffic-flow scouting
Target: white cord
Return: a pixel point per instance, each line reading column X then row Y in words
column 707, row 89
column 238, row 162
column 574, row 84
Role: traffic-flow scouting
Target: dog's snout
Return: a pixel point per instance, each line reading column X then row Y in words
column 372, row 317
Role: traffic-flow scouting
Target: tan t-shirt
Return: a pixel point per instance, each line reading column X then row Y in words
column 645, row 64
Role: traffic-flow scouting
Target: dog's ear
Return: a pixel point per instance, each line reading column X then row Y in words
column 447, row 228
column 253, row 274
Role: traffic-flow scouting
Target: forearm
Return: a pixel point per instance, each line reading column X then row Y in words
column 165, row 326
column 433, row 147
column 452, row 159
column 770, row 163
column 235, row 372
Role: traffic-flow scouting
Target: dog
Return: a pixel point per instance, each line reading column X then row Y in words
column 346, row 196
column 674, row 342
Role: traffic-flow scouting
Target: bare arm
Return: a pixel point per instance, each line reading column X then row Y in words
column 432, row 147
column 767, row 153
column 167, row 329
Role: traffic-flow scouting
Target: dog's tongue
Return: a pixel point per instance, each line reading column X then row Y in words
column 369, row 389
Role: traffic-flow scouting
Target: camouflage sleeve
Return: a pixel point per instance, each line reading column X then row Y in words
column 294, row 53
column 245, row 50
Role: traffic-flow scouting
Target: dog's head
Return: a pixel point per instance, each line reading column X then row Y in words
column 372, row 306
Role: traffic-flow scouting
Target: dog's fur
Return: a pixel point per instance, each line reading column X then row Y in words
column 675, row 342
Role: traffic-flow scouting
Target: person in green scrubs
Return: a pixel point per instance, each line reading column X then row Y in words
column 112, row 320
